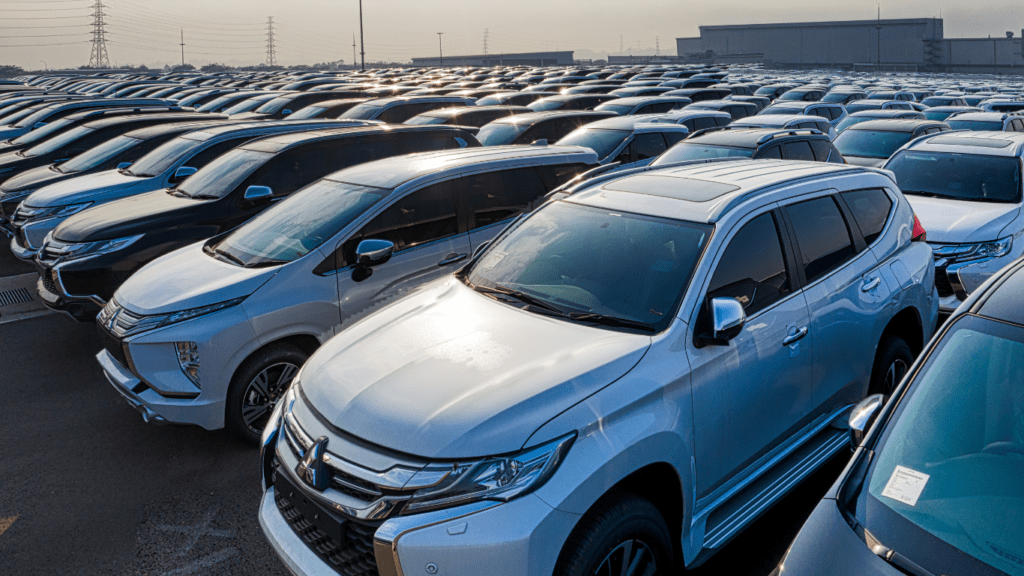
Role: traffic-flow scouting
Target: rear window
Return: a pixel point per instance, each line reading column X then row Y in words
column 871, row 143
column 694, row 151
column 975, row 125
column 870, row 210
column 822, row 235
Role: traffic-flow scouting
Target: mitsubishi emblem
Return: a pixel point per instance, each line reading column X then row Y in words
column 311, row 467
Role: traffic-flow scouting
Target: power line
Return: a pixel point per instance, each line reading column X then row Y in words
column 98, row 57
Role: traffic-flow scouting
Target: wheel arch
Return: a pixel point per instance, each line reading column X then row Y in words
column 907, row 325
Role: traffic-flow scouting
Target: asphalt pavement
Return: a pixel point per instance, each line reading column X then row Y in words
column 87, row 488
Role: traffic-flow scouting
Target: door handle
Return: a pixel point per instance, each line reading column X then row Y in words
column 452, row 259
column 794, row 338
column 870, row 285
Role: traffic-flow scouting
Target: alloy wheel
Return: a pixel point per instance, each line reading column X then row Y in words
column 263, row 393
column 630, row 558
column 897, row 370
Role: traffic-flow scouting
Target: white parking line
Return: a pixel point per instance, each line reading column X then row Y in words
column 198, row 531
column 5, row 523
column 204, row 562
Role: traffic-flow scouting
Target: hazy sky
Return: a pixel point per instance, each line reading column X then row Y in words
column 310, row 31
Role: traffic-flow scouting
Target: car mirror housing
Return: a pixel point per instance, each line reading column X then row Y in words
column 182, row 173
column 374, row 252
column 863, row 416
column 124, row 165
column 258, row 194
column 727, row 318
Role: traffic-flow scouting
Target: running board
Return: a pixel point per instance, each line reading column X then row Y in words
column 747, row 505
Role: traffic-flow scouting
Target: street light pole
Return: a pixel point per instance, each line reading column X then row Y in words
column 440, row 50
column 362, row 47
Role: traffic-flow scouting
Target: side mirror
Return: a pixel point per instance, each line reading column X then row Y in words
column 374, row 252
column 727, row 318
column 39, row 125
column 258, row 194
column 863, row 416
column 124, row 165
column 285, row 112
column 182, row 173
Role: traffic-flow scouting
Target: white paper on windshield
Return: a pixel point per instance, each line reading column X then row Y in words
column 493, row 260
column 905, row 485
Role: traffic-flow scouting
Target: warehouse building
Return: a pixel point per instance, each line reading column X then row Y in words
column 563, row 58
column 911, row 45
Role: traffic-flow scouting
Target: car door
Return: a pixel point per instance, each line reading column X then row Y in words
column 424, row 227
column 749, row 393
column 844, row 294
column 488, row 201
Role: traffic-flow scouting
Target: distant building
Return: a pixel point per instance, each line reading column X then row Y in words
column 890, row 45
column 563, row 58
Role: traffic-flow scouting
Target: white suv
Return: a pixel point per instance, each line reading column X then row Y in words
column 639, row 368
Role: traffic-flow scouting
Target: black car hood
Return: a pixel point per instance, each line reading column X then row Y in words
column 34, row 178
column 827, row 545
column 12, row 165
column 140, row 214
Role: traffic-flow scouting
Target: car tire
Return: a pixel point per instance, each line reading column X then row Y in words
column 621, row 525
column 891, row 364
column 256, row 387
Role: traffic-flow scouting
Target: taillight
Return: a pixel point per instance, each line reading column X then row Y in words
column 919, row 234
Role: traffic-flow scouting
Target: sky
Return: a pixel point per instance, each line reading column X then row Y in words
column 56, row 33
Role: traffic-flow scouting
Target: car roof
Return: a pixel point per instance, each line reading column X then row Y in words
column 533, row 117
column 637, row 100
column 393, row 172
column 631, row 123
column 691, row 113
column 383, row 102
column 968, row 142
column 748, row 137
column 462, row 110
column 982, row 116
column 779, row 120
column 704, row 192
column 280, row 142
column 258, row 127
column 895, row 124
column 116, row 121
column 163, row 129
column 803, row 105
column 883, row 113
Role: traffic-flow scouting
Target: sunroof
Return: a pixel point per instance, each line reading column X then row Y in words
column 961, row 141
column 689, row 189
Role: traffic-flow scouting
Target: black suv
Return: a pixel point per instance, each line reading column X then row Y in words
column 88, row 256
column 756, row 143
column 533, row 126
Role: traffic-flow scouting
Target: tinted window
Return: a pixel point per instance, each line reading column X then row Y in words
column 752, row 269
column 425, row 215
column 673, row 138
column 821, row 149
column 542, row 131
column 495, row 196
column 870, row 209
column 721, row 121
column 799, row 150
column 204, row 157
column 555, row 176
column 823, row 238
column 773, row 152
column 648, row 146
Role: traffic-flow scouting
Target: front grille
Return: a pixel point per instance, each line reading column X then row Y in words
column 19, row 237
column 347, row 484
column 352, row 555
column 122, row 322
column 942, row 283
column 47, row 277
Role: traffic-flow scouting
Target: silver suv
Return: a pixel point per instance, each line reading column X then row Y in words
column 639, row 368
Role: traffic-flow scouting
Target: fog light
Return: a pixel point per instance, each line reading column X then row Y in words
column 188, row 359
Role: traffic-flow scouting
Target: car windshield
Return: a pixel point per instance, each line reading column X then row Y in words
column 852, row 120
column 248, row 105
column 971, row 177
column 586, row 261
column 95, row 156
column 364, row 111
column 793, row 95
column 217, row 103
column 58, row 142
column 938, row 115
column 604, row 142
column 975, row 125
column 871, row 143
column 299, row 225
column 937, row 101
column 275, row 105
column 951, row 463
column 308, row 112
column 620, row 109
column 423, row 120
column 163, row 157
column 500, row 133
column 837, row 98
column 694, row 151
column 546, row 105
column 218, row 178
column 41, row 133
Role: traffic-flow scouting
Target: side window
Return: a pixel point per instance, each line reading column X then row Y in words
column 822, row 235
column 566, row 126
column 290, row 170
column 870, row 209
column 722, row 121
column 822, row 150
column 423, row 216
column 542, row 131
column 1018, row 125
column 823, row 112
column 626, row 154
column 649, row 109
column 558, row 174
column 204, row 157
column 496, row 196
column 772, row 152
column 752, row 269
column 649, row 145
column 799, row 150
column 691, row 125
column 663, row 107
column 396, row 114
column 673, row 138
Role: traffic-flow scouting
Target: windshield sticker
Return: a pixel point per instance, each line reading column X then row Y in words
column 905, row 485
column 493, row 260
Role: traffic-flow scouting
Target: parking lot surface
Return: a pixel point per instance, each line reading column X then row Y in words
column 88, row 488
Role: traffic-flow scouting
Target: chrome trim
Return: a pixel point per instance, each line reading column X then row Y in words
column 67, row 296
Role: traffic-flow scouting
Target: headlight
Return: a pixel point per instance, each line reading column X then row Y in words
column 500, row 479
column 29, row 213
column 191, row 313
column 967, row 252
column 78, row 251
column 188, row 359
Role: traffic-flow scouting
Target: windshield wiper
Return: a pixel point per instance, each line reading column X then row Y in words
column 899, row 561
column 930, row 194
column 265, row 263
column 612, row 321
column 521, row 296
column 204, row 197
column 215, row 252
column 575, row 316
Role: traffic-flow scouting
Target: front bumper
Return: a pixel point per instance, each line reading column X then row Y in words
column 965, row 277
column 54, row 296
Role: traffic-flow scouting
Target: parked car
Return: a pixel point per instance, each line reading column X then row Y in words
column 739, row 143
column 165, row 167
column 328, row 109
column 933, row 101
column 1003, row 106
column 513, row 98
column 942, row 113
column 986, row 122
column 834, row 113
column 615, row 379
column 796, row 121
column 629, row 140
column 934, row 485
column 843, row 97
column 694, row 119
column 759, row 101
column 866, row 115
column 473, row 116
column 862, row 105
column 78, row 119
column 420, row 215
column 570, row 102
column 84, row 260
column 536, row 126
column 400, row 108
column 734, row 108
column 966, row 188
column 872, row 143
column 284, row 104
column 700, row 94
column 643, row 105
column 773, row 91
column 803, row 94
column 56, row 110
column 251, row 103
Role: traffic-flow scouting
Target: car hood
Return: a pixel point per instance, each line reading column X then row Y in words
column 188, row 278
column 130, row 216
column 826, row 540
column 865, row 161
column 34, row 178
column 82, row 188
column 10, row 160
column 451, row 373
column 957, row 221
